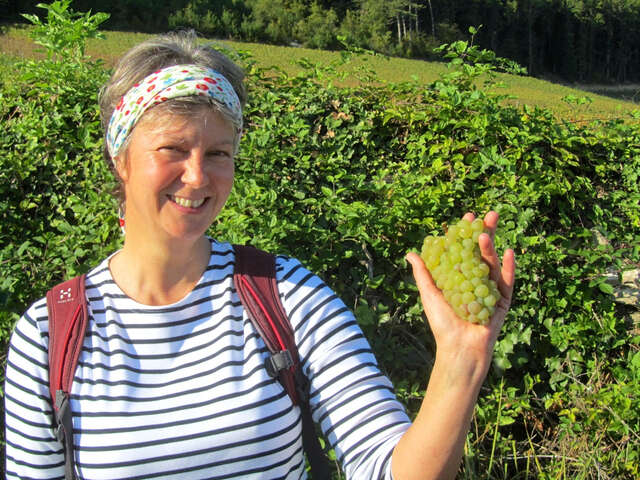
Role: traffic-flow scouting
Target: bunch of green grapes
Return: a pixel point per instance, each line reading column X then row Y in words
column 459, row 271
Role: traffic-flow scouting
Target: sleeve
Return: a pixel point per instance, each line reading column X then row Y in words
column 32, row 450
column 351, row 400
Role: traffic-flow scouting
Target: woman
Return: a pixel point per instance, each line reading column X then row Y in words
column 171, row 381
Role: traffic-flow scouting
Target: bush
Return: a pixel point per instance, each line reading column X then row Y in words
column 65, row 32
column 56, row 218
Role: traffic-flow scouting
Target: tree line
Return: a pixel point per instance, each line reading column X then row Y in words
column 572, row 40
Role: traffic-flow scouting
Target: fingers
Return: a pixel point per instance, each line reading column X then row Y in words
column 489, row 255
column 503, row 274
column 507, row 275
column 505, row 280
column 491, row 223
column 469, row 216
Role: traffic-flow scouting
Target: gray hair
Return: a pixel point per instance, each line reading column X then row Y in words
column 176, row 48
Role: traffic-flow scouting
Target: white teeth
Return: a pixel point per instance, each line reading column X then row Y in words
column 185, row 202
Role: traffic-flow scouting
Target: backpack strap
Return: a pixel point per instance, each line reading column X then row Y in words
column 68, row 319
column 255, row 281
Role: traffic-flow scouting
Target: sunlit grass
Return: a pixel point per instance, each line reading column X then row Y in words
column 525, row 90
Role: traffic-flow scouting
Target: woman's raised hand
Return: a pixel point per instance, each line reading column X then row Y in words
column 465, row 346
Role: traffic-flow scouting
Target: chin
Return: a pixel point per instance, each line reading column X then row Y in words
column 189, row 230
column 186, row 234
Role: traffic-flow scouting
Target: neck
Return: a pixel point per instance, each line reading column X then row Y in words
column 159, row 273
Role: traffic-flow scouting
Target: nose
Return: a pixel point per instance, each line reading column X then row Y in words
column 194, row 173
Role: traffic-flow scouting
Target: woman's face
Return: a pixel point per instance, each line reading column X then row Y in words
column 177, row 174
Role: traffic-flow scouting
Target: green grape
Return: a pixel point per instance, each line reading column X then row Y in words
column 431, row 263
column 466, row 254
column 450, row 283
column 455, row 257
column 477, row 225
column 474, row 307
column 481, row 291
column 478, row 272
column 437, row 272
column 490, row 300
column 483, row 315
column 484, row 268
column 455, row 248
column 464, row 229
column 457, row 267
column 457, row 277
column 456, row 300
column 466, row 268
column 468, row 297
column 465, row 286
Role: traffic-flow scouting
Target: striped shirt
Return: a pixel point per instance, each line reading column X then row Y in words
column 181, row 391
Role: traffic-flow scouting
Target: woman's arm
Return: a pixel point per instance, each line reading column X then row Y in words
column 350, row 398
column 432, row 447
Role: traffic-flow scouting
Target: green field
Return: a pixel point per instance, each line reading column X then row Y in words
column 15, row 42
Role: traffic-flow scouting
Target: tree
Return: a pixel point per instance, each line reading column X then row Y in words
column 318, row 29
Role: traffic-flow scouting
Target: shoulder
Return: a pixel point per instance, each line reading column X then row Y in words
column 33, row 325
column 293, row 277
column 36, row 318
column 30, row 336
column 313, row 308
column 295, row 282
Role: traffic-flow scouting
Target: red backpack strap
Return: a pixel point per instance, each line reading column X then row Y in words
column 255, row 281
column 68, row 320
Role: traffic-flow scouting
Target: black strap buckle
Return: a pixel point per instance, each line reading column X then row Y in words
column 277, row 362
column 60, row 433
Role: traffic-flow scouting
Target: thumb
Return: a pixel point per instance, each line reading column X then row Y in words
column 424, row 281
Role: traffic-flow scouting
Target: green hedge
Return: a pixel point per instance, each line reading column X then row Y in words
column 350, row 179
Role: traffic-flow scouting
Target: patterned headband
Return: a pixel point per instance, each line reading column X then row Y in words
column 162, row 85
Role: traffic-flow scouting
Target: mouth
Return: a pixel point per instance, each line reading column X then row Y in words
column 188, row 202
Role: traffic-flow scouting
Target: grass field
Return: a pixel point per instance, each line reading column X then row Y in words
column 15, row 42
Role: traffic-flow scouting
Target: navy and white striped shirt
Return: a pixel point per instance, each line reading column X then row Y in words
column 180, row 391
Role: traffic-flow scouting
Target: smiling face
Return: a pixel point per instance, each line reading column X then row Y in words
column 177, row 174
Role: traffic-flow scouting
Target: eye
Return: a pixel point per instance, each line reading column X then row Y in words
column 170, row 148
column 219, row 155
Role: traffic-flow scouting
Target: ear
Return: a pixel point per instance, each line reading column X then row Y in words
column 121, row 166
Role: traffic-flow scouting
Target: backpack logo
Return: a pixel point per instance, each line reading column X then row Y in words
column 65, row 295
